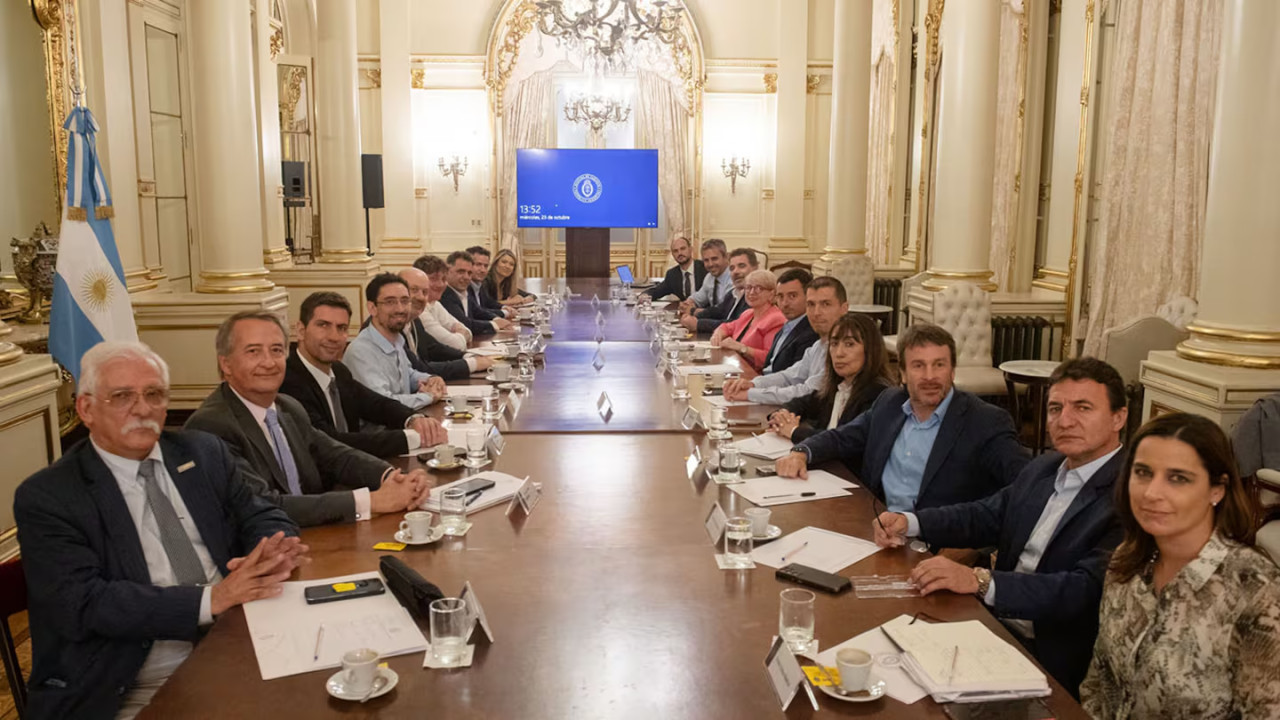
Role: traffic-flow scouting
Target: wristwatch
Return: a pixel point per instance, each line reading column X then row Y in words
column 802, row 449
column 983, row 576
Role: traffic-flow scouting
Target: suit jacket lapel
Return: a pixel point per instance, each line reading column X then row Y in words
column 948, row 434
column 257, row 438
column 198, row 498
column 1099, row 485
column 301, row 371
column 115, row 516
column 1031, row 506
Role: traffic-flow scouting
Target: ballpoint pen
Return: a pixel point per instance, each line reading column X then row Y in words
column 803, row 494
column 319, row 637
column 803, row 545
column 472, row 497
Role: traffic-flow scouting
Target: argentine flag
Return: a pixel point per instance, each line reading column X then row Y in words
column 90, row 301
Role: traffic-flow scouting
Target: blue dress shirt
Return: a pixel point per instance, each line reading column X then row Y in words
column 382, row 366
column 781, row 338
column 905, row 470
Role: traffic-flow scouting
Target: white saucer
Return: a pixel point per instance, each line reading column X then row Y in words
column 334, row 685
column 437, row 532
column 511, row 386
column 875, row 691
column 491, row 378
column 772, row 533
column 435, row 464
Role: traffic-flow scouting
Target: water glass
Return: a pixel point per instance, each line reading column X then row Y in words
column 680, row 383
column 673, row 354
column 492, row 408
column 450, row 624
column 795, row 618
column 453, row 510
column 729, row 461
column 717, row 423
column 476, row 454
column 526, row 367
column 737, row 542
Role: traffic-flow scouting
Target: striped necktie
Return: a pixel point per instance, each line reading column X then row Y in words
column 284, row 455
column 187, row 569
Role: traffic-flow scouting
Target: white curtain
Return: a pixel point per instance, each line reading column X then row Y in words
column 880, row 149
column 664, row 125
column 1150, row 225
column 1011, row 79
column 526, row 123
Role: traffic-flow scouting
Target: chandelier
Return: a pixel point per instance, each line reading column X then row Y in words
column 604, row 32
column 596, row 111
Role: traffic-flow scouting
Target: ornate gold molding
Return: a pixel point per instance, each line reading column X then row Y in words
column 60, row 53
column 275, row 44
column 942, row 279
column 1220, row 333
column 932, row 26
column 373, row 76
column 811, row 83
column 214, row 275
column 418, row 79
column 771, row 82
column 296, row 74
column 1216, row 357
column 1077, row 220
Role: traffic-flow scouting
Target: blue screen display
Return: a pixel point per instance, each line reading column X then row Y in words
column 587, row 188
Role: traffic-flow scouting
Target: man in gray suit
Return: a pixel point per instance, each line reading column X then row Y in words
column 295, row 466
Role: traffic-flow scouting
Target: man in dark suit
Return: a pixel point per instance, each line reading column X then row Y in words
column 1055, row 527
column 134, row 541
column 927, row 446
column 336, row 403
column 426, row 353
column 685, row 277
column 457, row 298
column 742, row 262
column 301, row 467
column 797, row 334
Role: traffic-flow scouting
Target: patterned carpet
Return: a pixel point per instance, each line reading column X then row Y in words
column 17, row 623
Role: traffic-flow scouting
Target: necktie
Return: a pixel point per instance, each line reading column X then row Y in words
column 715, row 291
column 339, row 417
column 410, row 339
column 284, row 455
column 688, row 284
column 186, row 566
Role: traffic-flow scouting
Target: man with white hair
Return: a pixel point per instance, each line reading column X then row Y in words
column 135, row 541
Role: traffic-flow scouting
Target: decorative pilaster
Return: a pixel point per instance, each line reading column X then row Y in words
column 792, row 81
column 275, row 252
column 400, row 245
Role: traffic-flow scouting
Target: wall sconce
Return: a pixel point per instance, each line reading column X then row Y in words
column 455, row 169
column 733, row 169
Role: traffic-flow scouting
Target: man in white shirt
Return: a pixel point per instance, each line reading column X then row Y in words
column 435, row 318
column 134, row 541
column 825, row 303
column 718, row 282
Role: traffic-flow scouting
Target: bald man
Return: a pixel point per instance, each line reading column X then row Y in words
column 426, row 353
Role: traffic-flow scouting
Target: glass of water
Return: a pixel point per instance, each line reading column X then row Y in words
column 680, row 383
column 476, row 454
column 453, row 510
column 795, row 618
column 729, row 462
column 737, row 542
column 717, row 424
column 526, row 367
column 450, row 625
column 491, row 408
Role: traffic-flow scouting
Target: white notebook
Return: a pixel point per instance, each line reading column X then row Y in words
column 960, row 661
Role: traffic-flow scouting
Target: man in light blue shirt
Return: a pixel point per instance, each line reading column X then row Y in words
column 718, row 282
column 1054, row 527
column 825, row 303
column 377, row 357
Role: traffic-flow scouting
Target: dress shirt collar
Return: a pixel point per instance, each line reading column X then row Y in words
column 388, row 347
column 1076, row 479
column 322, row 378
column 123, row 468
column 790, row 325
column 259, row 413
column 938, row 414
column 462, row 294
column 687, row 268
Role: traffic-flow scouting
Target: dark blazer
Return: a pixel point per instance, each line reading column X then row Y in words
column 94, row 613
column 783, row 354
column 323, row 463
column 1061, row 597
column 360, row 406
column 673, row 282
column 815, row 412
column 489, row 299
column 975, row 454
column 475, row 318
column 480, row 309
column 728, row 310
column 433, row 356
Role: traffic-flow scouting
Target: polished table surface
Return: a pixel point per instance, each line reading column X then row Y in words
column 605, row 602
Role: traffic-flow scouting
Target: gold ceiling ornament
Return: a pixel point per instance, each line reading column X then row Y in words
column 771, row 82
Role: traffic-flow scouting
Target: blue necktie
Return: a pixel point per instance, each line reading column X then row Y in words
column 284, row 455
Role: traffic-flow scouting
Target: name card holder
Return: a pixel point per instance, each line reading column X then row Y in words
column 495, row 441
column 526, row 497
column 468, row 595
column 715, row 522
column 692, row 462
column 691, row 419
column 785, row 676
column 597, row 360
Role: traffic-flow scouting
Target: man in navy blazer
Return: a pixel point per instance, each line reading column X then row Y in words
column 461, row 303
column 685, row 277
column 796, row 334
column 133, row 542
column 928, row 446
column 1055, row 527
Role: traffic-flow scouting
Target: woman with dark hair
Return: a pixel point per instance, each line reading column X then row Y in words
column 1190, row 620
column 857, row 372
column 499, row 287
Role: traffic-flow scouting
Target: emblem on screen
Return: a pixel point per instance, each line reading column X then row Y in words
column 587, row 188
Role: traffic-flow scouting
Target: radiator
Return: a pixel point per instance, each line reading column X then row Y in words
column 1019, row 337
column 888, row 291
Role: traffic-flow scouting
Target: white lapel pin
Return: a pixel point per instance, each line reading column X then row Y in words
column 186, row 466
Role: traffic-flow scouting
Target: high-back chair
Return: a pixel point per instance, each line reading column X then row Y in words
column 13, row 600
column 908, row 284
column 964, row 310
column 858, row 275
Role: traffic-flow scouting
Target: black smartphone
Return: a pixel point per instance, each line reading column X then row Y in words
column 763, row 470
column 343, row 591
column 475, row 485
column 814, row 578
column 1028, row 709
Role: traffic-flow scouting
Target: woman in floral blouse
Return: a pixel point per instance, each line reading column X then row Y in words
column 1190, row 616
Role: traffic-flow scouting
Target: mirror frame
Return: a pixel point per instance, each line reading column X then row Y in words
column 56, row 19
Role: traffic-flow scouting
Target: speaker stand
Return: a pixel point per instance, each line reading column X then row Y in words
column 368, row 241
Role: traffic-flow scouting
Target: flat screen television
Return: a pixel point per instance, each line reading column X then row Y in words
column 587, row 188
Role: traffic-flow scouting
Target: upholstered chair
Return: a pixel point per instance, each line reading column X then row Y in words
column 1179, row 311
column 964, row 310
column 858, row 275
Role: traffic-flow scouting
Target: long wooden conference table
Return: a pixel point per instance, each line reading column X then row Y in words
column 606, row 601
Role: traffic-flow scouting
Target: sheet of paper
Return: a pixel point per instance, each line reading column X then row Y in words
column 504, row 488
column 486, row 351
column 709, row 369
column 769, row 491
column 719, row 401
column 284, row 628
column 898, row 683
column 827, row 551
column 765, row 445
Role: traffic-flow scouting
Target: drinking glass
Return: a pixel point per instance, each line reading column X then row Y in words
column 737, row 542
column 795, row 618
column 450, row 625
column 476, row 454
column 680, row 383
column 491, row 411
column 526, row 367
column 717, row 424
column 729, row 460
column 453, row 510
column 673, row 354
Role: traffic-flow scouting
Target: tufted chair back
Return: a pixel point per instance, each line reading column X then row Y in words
column 858, row 275
column 964, row 310
column 1179, row 311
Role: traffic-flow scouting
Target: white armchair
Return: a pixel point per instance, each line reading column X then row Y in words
column 858, row 275
column 908, row 284
column 964, row 310
column 1269, row 501
column 1179, row 311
